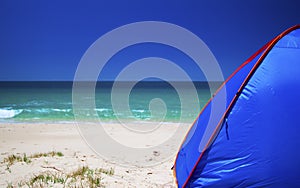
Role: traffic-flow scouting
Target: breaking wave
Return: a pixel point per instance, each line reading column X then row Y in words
column 9, row 113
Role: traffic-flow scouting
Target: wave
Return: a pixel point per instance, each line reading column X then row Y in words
column 35, row 103
column 61, row 110
column 9, row 113
column 139, row 111
column 38, row 113
column 47, row 110
column 103, row 109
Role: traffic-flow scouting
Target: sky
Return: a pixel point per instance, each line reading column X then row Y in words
column 45, row 40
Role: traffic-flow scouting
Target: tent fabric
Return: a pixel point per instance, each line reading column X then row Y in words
column 254, row 143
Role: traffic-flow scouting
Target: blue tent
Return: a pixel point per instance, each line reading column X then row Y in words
column 255, row 141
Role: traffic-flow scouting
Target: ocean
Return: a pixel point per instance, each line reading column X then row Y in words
column 52, row 101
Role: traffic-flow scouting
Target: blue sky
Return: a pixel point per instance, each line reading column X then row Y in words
column 45, row 40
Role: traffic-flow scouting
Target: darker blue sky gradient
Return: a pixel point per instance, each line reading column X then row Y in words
column 44, row 40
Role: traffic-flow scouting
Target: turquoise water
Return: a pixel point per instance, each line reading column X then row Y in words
column 52, row 101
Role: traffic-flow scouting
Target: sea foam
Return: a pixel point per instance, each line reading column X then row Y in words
column 9, row 113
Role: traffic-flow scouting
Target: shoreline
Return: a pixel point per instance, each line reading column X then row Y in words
column 106, row 121
column 31, row 138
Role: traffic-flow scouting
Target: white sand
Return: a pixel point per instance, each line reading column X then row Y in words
column 19, row 138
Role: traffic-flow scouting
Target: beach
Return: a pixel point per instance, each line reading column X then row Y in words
column 32, row 138
column 50, row 139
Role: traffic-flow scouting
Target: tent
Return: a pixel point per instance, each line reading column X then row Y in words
column 255, row 140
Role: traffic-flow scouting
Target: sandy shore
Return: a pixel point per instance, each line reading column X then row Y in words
column 151, row 170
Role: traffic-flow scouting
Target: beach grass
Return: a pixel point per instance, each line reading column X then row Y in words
column 49, row 154
column 83, row 176
column 13, row 158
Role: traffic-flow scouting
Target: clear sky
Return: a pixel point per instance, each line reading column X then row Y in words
column 45, row 40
